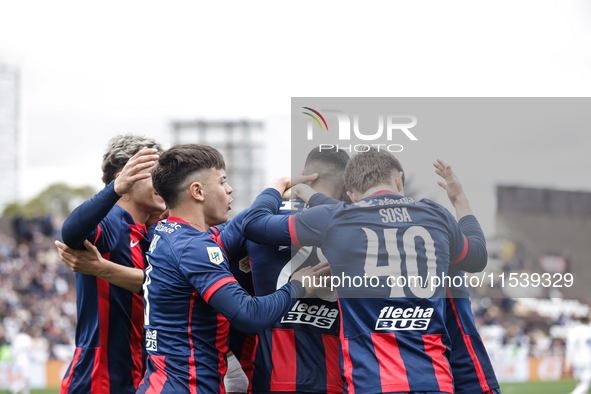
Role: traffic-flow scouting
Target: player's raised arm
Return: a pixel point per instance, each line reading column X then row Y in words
column 90, row 262
column 204, row 266
column 83, row 221
column 473, row 257
column 252, row 315
column 262, row 224
column 454, row 189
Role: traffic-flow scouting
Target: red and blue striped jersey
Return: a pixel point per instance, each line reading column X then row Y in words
column 186, row 339
column 190, row 298
column 229, row 236
column 472, row 369
column 299, row 352
column 109, row 355
column 393, row 337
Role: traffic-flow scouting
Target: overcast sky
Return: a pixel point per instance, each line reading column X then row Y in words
column 94, row 70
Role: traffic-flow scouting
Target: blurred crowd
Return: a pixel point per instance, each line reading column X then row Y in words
column 534, row 322
column 37, row 292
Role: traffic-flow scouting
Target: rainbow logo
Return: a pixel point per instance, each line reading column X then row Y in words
column 315, row 118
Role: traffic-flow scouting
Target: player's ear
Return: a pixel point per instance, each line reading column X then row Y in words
column 196, row 191
column 352, row 196
column 398, row 180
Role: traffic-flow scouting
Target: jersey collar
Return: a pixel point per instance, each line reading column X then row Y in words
column 178, row 220
column 380, row 192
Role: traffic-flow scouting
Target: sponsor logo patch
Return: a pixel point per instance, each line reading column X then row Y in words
column 215, row 254
column 245, row 265
column 315, row 315
column 398, row 319
column 152, row 340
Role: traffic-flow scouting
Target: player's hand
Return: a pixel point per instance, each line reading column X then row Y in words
column 88, row 262
column 136, row 169
column 452, row 184
column 301, row 191
column 319, row 271
column 284, row 183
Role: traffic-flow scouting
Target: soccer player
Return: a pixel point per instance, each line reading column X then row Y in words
column 471, row 367
column 394, row 339
column 190, row 295
column 578, row 355
column 109, row 332
column 90, row 262
column 299, row 353
column 21, row 346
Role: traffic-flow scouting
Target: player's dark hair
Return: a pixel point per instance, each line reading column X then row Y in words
column 369, row 169
column 585, row 319
column 330, row 165
column 120, row 149
column 328, row 159
column 179, row 162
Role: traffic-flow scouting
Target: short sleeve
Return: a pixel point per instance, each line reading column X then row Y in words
column 309, row 228
column 205, row 266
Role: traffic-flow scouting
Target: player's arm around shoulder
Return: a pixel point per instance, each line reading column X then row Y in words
column 262, row 224
column 205, row 266
column 90, row 262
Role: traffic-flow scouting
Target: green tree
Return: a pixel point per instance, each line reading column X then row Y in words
column 58, row 197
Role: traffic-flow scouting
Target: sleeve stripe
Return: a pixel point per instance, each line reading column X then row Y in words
column 463, row 252
column 98, row 234
column 216, row 286
column 292, row 231
column 218, row 240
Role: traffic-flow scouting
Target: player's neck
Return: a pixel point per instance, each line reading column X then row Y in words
column 328, row 191
column 383, row 187
column 195, row 219
column 138, row 214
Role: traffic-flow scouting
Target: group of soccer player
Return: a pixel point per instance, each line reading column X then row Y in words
column 168, row 288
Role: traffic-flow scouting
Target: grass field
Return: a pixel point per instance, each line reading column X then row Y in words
column 560, row 387
column 44, row 391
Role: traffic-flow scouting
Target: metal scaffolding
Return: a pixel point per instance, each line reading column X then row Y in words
column 242, row 145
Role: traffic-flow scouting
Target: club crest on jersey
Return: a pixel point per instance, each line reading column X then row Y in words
column 152, row 340
column 398, row 319
column 215, row 254
column 245, row 265
column 315, row 315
